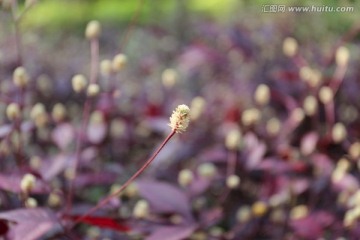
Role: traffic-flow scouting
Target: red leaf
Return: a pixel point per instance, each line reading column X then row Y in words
column 30, row 224
column 3, row 228
column 103, row 222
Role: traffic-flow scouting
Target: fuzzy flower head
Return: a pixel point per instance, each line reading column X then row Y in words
column 179, row 119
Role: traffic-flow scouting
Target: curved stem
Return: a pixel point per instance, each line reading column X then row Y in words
column 127, row 183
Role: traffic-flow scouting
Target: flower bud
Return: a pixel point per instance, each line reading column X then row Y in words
column 79, row 83
column 13, row 111
column 179, row 120
column 141, row 209
column 119, row 62
column 243, row 214
column 233, row 139
column 206, row 170
column 93, row 90
column 326, row 95
column 117, row 128
column 197, row 107
column 232, row 181
column 38, row 115
column 185, row 177
column 54, row 199
column 20, row 77
column 342, row 56
column 273, row 126
column 297, row 115
column 262, row 95
column 354, row 150
column 44, row 84
column 93, row 30
column 310, row 105
column 169, row 77
column 31, row 203
column 35, row 162
column 250, row 116
column 105, row 67
column 290, row 47
column 299, row 212
column 259, row 209
column 58, row 112
column 338, row 132
column 27, row 183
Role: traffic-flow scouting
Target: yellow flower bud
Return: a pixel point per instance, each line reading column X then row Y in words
column 169, row 77
column 262, row 95
column 27, row 183
column 326, row 95
column 13, row 111
column 141, row 209
column 58, row 112
column 31, row 202
column 179, row 120
column 206, row 170
column 354, row 150
column 338, row 132
column 310, row 105
column 290, row 47
column 20, row 77
column 259, row 208
column 119, row 62
column 197, row 107
column 93, row 90
column 232, row 181
column 342, row 56
column 93, row 30
column 185, row 177
column 250, row 116
column 105, row 67
column 273, row 126
column 233, row 139
column 79, row 83
column 299, row 212
column 243, row 214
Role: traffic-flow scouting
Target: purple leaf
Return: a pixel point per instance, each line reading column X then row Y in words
column 63, row 135
column 5, row 130
column 172, row 233
column 57, row 165
column 11, row 183
column 165, row 198
column 30, row 224
column 308, row 143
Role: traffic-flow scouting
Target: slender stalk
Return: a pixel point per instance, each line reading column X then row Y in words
column 230, row 170
column 130, row 180
column 94, row 49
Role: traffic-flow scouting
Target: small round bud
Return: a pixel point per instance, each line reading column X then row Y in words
column 185, row 177
column 232, row 181
column 273, row 126
column 310, row 105
column 305, row 73
column 299, row 212
column 38, row 115
column 259, row 209
column 58, row 112
column 131, row 191
column 343, row 165
column 31, row 202
column 206, row 170
column 197, row 107
column 290, row 47
column 233, row 139
column 35, row 162
column 338, row 132
column 243, row 214
column 119, row 62
column 27, row 183
column 97, row 117
column 105, row 67
column 141, row 209
column 169, row 77
column 93, row 30
column 179, row 120
column 326, row 95
column 79, row 83
column 117, row 128
column 262, row 95
column 342, row 56
column 354, row 150
column 278, row 215
column 216, row 231
column 44, row 84
column 250, row 116
column 93, row 90
column 20, row 77
column 13, row 111
column 54, row 199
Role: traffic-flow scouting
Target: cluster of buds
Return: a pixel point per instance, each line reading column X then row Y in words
column 179, row 120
